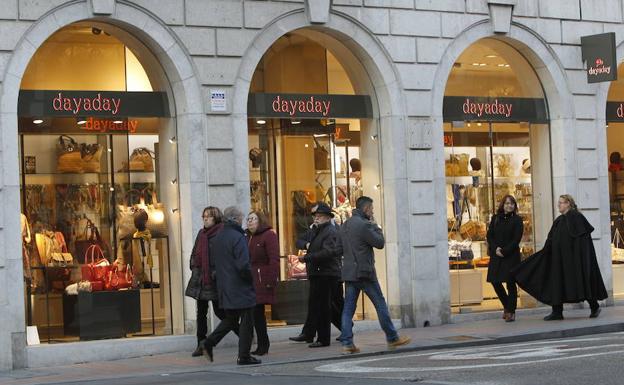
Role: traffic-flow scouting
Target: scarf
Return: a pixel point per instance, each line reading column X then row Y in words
column 146, row 236
column 204, row 250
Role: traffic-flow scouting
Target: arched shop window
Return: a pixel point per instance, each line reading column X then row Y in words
column 91, row 124
column 311, row 138
column 615, row 149
column 496, row 142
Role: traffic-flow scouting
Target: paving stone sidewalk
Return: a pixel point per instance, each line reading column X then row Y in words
column 528, row 326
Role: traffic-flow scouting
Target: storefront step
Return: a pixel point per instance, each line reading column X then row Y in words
column 48, row 355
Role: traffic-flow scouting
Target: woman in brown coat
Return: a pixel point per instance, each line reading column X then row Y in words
column 264, row 251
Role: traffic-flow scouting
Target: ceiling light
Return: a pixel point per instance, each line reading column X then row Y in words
column 81, row 121
column 475, row 64
column 117, row 121
column 491, row 56
column 261, row 121
column 482, row 64
column 38, row 121
column 479, row 124
column 296, row 122
column 468, row 124
column 507, row 65
column 501, row 65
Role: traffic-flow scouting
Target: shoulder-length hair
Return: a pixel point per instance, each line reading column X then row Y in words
column 501, row 205
column 263, row 221
column 213, row 212
column 568, row 198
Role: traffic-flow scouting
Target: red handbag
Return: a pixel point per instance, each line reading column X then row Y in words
column 119, row 279
column 296, row 269
column 97, row 270
column 91, row 236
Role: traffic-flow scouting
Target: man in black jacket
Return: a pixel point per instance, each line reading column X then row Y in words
column 232, row 266
column 323, row 267
column 358, row 235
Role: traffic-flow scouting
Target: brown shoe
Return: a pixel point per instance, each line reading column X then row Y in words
column 350, row 349
column 511, row 317
column 399, row 342
column 505, row 315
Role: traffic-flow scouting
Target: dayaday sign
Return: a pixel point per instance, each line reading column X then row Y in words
column 598, row 51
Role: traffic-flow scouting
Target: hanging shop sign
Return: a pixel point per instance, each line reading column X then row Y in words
column 598, row 51
column 615, row 112
column 309, row 106
column 63, row 103
column 473, row 108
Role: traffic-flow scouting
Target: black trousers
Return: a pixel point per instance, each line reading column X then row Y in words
column 508, row 298
column 202, row 317
column 325, row 303
column 593, row 305
column 260, row 325
column 241, row 319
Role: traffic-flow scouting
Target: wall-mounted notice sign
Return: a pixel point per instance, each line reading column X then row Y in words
column 599, row 53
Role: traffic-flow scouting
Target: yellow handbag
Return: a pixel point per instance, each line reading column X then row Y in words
column 142, row 159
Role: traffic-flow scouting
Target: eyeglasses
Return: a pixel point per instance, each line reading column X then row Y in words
column 252, row 219
column 207, row 216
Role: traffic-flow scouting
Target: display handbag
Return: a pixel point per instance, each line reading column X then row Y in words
column 296, row 269
column 90, row 237
column 91, row 155
column 69, row 156
column 119, row 278
column 322, row 160
column 142, row 159
column 156, row 219
column 97, row 269
column 617, row 252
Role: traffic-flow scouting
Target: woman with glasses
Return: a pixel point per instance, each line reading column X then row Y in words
column 264, row 252
column 200, row 260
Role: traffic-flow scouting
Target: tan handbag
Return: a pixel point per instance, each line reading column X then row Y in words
column 156, row 219
column 91, row 155
column 142, row 159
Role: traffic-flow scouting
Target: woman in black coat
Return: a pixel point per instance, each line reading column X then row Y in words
column 566, row 269
column 503, row 238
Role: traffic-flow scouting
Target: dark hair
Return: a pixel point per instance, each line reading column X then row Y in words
column 362, row 202
column 355, row 164
column 140, row 218
column 263, row 221
column 213, row 212
column 501, row 205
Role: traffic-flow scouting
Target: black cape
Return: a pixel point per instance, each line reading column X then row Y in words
column 566, row 269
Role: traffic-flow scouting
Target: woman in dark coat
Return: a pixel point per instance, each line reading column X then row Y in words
column 566, row 269
column 265, row 261
column 200, row 259
column 503, row 238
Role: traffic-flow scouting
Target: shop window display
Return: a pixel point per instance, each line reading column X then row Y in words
column 305, row 146
column 495, row 127
column 95, row 234
column 615, row 149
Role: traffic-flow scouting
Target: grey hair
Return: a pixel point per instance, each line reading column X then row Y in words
column 568, row 198
column 233, row 213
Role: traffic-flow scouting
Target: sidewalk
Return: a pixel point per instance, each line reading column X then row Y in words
column 528, row 326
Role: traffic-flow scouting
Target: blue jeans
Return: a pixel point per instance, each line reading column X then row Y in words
column 373, row 291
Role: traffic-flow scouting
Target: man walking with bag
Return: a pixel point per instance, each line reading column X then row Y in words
column 230, row 256
column 358, row 235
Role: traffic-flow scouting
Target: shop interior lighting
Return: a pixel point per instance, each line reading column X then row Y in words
column 482, row 64
column 490, row 56
column 112, row 189
column 174, row 181
column 507, row 65
column 110, row 150
column 501, row 65
column 374, row 137
column 81, row 121
column 117, row 121
column 307, row 145
column 377, row 186
column 261, row 121
column 475, row 64
column 296, row 122
column 479, row 124
column 172, row 139
column 38, row 121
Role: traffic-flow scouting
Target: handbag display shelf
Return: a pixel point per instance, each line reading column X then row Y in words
column 291, row 302
column 102, row 314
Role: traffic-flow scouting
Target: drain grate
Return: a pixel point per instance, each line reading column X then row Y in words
column 460, row 338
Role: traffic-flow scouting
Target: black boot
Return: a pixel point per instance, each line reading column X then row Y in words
column 595, row 312
column 302, row 338
column 208, row 350
column 199, row 350
column 248, row 361
column 261, row 351
column 553, row 317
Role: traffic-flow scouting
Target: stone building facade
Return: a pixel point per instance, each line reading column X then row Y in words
column 401, row 53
